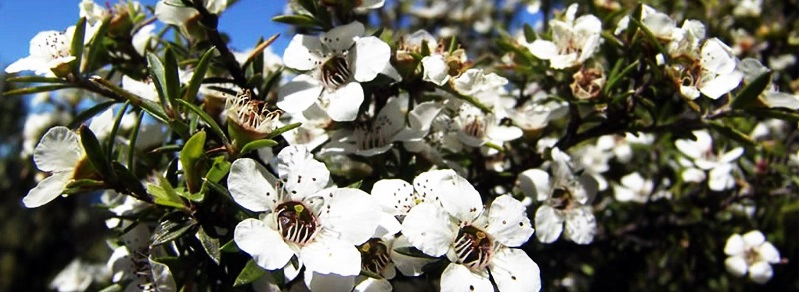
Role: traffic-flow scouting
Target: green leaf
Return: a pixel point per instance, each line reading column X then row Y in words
column 150, row 107
column 90, row 112
column 257, row 144
column 413, row 252
column 229, row 247
column 207, row 119
column 356, row 185
column 94, row 152
column 83, row 185
column 300, row 20
column 529, row 33
column 197, row 77
column 309, row 5
column 112, row 288
column 651, row 38
column 97, row 44
column 749, row 95
column 165, row 194
column 217, row 187
column 171, row 229
column 31, row 90
column 617, row 77
column 732, row 133
column 76, row 48
column 211, row 245
column 114, row 130
column 35, row 79
column 219, row 169
column 158, row 75
column 283, row 129
column 249, row 273
column 130, row 182
column 191, row 157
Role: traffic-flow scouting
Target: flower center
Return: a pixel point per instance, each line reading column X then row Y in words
column 367, row 138
column 55, row 46
column 561, row 199
column 296, row 222
column 473, row 247
column 374, row 256
column 751, row 256
column 335, row 72
column 251, row 114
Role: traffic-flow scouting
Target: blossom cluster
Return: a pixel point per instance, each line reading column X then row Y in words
column 364, row 152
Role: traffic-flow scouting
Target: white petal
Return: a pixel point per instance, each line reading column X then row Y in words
column 717, row 57
column 459, row 278
column 781, row 99
column 345, row 102
column 731, row 155
column 760, row 272
column 299, row 94
column 352, row 213
column 721, row 178
column 581, row 225
column 456, row 194
column 504, row 133
column 421, row 117
column 736, row 266
column 371, row 57
column 252, row 186
column 508, row 222
column 173, row 15
column 720, row 85
column 302, row 174
column 513, row 270
column 303, row 53
column 327, row 255
column 394, row 195
column 372, row 285
column 265, row 245
column 29, row 63
column 341, row 38
column 735, row 245
column 435, row 69
column 428, row 228
column 59, row 150
column 542, row 49
column 162, row 277
column 693, row 175
column 328, row 282
column 754, row 238
column 47, row 190
column 769, row 253
column 407, row 265
column 534, row 183
column 548, row 224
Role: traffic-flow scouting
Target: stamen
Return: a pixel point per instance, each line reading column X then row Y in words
column 473, row 247
column 296, row 222
column 335, row 72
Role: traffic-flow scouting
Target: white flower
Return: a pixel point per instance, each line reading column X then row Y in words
column 475, row 128
column 475, row 241
column 302, row 217
column 565, row 198
column 78, row 275
column 143, row 38
column 752, row 254
column 701, row 152
column 312, row 131
column 716, row 74
column 60, row 153
column 174, row 13
column 133, row 263
column 250, row 117
column 660, row 24
column 145, row 89
column 748, row 8
column 752, row 68
column 48, row 50
column 387, row 127
column 337, row 60
column 573, row 40
column 633, row 188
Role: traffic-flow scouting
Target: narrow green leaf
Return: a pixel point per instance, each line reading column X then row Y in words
column 171, row 76
column 210, row 245
column 249, row 274
column 467, row 98
column 32, row 90
column 257, row 144
column 283, row 129
column 199, row 74
column 76, row 48
column 309, row 5
column 165, row 194
column 97, row 44
column 297, row 19
column 35, row 79
column 413, row 252
column 529, row 33
column 356, row 185
column 207, row 119
column 218, row 188
column 114, row 130
column 130, row 182
column 94, row 152
column 652, row 39
column 453, row 44
column 171, row 229
column 90, row 112
column 134, row 136
column 191, row 158
column 617, row 77
column 150, row 107
column 732, row 133
column 229, row 247
column 158, row 75
column 749, row 95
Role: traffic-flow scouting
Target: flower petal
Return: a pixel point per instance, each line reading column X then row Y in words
column 721, row 84
column 542, row 49
column 508, row 222
column 371, row 57
column 302, row 174
column 265, row 245
column 581, row 225
column 736, row 266
column 345, row 102
column 735, row 245
column 548, row 224
column 47, row 190
column 59, row 150
column 534, row 183
column 754, row 238
column 459, row 278
column 303, row 53
column 428, row 228
column 513, row 270
column 299, row 94
column 457, row 195
column 328, row 282
column 435, row 69
column 370, row 284
column 407, row 265
column 252, row 186
column 326, row 255
column 352, row 213
column 769, row 253
column 760, row 272
column 341, row 38
column 394, row 195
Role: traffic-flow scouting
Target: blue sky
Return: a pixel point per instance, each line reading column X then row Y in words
column 20, row 20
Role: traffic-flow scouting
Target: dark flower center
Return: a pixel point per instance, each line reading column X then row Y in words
column 335, row 72
column 296, row 222
column 374, row 256
column 473, row 247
